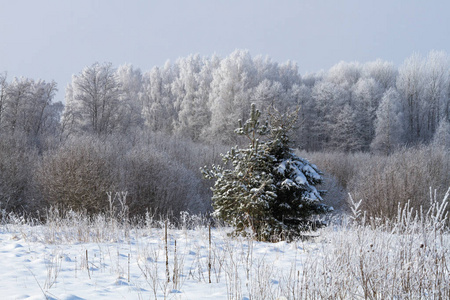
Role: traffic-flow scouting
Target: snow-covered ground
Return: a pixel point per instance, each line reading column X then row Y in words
column 80, row 258
column 135, row 267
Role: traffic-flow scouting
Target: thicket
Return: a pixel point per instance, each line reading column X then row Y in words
column 383, row 182
column 159, row 174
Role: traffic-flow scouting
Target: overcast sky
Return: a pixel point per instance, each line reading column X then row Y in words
column 53, row 39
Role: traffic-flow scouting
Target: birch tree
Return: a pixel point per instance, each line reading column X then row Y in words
column 92, row 100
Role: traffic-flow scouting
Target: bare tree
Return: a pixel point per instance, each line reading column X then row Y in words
column 3, row 87
column 92, row 100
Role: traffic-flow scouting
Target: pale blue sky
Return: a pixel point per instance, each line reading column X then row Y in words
column 53, row 39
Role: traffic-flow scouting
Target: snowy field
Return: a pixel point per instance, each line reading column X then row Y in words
column 41, row 263
column 79, row 258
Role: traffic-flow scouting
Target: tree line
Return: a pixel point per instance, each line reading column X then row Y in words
column 351, row 107
column 149, row 132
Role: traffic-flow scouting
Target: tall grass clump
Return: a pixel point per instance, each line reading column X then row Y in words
column 403, row 258
column 362, row 257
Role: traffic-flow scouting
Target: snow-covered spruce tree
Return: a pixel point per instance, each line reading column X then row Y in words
column 268, row 189
column 294, row 177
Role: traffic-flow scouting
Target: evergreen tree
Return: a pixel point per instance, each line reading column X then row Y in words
column 294, row 178
column 269, row 189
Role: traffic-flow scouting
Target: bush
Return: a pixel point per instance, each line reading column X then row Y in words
column 78, row 175
column 156, row 183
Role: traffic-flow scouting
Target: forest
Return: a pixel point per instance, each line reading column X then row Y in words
column 377, row 131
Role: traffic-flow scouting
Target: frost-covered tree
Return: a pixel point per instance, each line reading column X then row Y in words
column 435, row 80
column 267, row 93
column 27, row 119
column 303, row 135
column 18, row 96
column 345, row 74
column 384, row 73
column 366, row 98
column 230, row 95
column 288, row 75
column 130, row 100
column 39, row 110
column 328, row 98
column 389, row 130
column 268, row 189
column 345, row 131
column 26, row 107
column 410, row 87
column 93, row 101
column 158, row 107
column 191, row 90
